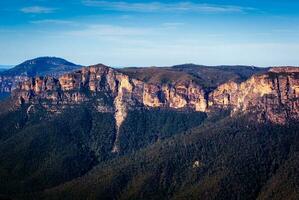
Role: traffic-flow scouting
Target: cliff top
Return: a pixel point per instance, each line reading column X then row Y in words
column 206, row 76
column 287, row 69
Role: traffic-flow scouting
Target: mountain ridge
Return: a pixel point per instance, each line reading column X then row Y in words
column 207, row 76
column 97, row 78
column 271, row 95
column 41, row 66
column 100, row 133
column 52, row 66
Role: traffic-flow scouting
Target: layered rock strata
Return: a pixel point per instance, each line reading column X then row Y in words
column 272, row 95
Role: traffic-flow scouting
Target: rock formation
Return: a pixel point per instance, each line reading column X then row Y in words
column 271, row 96
column 42, row 66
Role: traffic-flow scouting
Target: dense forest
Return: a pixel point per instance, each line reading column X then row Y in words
column 230, row 159
column 165, row 154
column 40, row 150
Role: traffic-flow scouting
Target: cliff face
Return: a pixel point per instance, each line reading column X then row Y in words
column 274, row 92
column 124, row 92
column 132, row 92
column 271, row 96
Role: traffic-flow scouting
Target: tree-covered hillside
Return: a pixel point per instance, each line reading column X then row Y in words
column 40, row 150
column 165, row 154
column 230, row 159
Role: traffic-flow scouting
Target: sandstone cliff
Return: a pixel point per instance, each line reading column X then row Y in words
column 271, row 96
column 125, row 92
column 69, row 89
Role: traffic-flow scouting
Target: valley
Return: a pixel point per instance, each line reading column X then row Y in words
column 181, row 132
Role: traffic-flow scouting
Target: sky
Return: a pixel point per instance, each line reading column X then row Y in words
column 151, row 33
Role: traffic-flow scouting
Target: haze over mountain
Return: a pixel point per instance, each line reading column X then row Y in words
column 181, row 132
column 5, row 67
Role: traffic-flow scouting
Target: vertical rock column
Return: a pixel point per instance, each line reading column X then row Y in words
column 121, row 102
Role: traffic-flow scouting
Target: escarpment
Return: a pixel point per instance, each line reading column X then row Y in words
column 77, row 87
column 272, row 95
column 108, row 90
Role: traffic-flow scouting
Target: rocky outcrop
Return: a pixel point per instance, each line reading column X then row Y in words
column 126, row 93
column 119, row 86
column 271, row 96
column 180, row 95
column 50, row 66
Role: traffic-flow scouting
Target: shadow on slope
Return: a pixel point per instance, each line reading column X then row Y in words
column 231, row 159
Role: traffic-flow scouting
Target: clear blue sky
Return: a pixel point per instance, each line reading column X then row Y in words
column 143, row 33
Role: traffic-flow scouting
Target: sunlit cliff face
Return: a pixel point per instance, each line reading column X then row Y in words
column 271, row 96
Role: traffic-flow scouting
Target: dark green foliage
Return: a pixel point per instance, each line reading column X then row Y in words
column 12, row 122
column 143, row 127
column 237, row 160
column 40, row 150
column 44, row 153
column 285, row 183
column 4, row 95
column 165, row 154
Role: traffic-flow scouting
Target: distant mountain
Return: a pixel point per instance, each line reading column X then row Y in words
column 5, row 67
column 42, row 66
